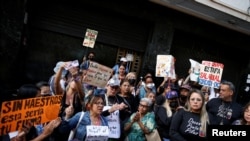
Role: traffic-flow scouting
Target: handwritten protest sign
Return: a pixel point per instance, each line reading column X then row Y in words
column 165, row 66
column 114, row 123
column 210, row 74
column 195, row 70
column 90, row 38
column 97, row 133
column 97, row 74
column 16, row 113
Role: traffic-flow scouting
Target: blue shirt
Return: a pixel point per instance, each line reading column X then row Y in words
column 81, row 131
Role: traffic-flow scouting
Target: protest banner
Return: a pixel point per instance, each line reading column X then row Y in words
column 90, row 38
column 195, row 70
column 97, row 133
column 16, row 113
column 97, row 74
column 210, row 74
column 165, row 66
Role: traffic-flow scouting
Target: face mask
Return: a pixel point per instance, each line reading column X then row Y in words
column 150, row 85
column 131, row 81
column 173, row 104
column 91, row 59
column 183, row 98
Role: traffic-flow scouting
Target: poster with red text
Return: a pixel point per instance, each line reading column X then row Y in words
column 210, row 74
column 90, row 38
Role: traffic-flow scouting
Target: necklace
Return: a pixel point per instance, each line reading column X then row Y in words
column 95, row 121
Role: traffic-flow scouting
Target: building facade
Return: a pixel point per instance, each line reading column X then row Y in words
column 35, row 35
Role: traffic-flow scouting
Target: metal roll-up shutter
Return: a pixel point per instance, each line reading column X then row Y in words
column 73, row 19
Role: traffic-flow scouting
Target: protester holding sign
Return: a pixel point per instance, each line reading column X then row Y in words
column 72, row 95
column 73, row 92
column 24, row 92
column 92, row 117
column 115, row 108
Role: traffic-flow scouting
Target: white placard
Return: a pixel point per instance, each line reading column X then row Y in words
column 195, row 70
column 114, row 123
column 90, row 38
column 97, row 133
column 165, row 66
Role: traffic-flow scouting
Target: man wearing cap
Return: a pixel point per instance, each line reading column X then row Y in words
column 123, row 61
column 114, row 107
column 184, row 91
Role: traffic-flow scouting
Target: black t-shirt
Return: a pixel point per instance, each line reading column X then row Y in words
column 185, row 126
column 223, row 112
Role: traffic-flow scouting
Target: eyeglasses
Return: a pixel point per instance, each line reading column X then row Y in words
column 114, row 87
column 99, row 103
column 143, row 106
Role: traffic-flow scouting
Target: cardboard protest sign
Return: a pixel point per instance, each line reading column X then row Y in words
column 90, row 38
column 97, row 74
column 195, row 70
column 16, row 113
column 210, row 74
column 165, row 66
column 97, row 133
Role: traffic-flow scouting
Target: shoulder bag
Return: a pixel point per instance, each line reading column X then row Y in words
column 153, row 136
column 72, row 132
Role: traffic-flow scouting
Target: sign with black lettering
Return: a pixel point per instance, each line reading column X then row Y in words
column 90, row 38
column 97, row 133
column 210, row 74
column 16, row 113
column 97, row 75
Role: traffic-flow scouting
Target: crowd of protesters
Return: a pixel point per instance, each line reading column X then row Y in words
column 179, row 109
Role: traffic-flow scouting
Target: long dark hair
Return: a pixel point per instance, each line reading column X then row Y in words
column 243, row 121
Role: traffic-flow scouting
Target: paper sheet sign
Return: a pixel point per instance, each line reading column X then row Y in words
column 114, row 123
column 97, row 133
column 71, row 64
column 165, row 66
column 210, row 74
column 195, row 70
column 97, row 74
column 16, row 113
column 90, row 38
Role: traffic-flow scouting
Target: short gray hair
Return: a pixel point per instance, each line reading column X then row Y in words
column 147, row 100
column 230, row 85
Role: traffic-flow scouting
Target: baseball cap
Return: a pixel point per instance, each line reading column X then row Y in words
column 185, row 86
column 123, row 59
column 171, row 95
column 57, row 67
column 114, row 82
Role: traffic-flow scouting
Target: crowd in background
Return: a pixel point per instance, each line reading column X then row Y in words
column 178, row 108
